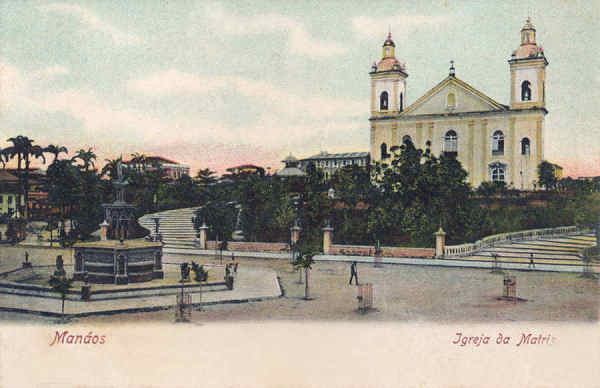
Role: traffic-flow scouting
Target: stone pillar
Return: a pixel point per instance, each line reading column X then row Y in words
column 121, row 276
column 440, row 243
column 158, row 273
column 104, row 231
column 327, row 238
column 79, row 267
column 295, row 233
column 203, row 231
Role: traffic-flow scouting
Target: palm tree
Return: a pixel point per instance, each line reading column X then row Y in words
column 87, row 157
column 23, row 149
column 56, row 150
column 111, row 167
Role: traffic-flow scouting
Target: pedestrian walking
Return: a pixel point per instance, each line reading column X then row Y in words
column 531, row 263
column 353, row 273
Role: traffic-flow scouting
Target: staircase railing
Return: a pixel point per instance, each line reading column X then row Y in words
column 489, row 241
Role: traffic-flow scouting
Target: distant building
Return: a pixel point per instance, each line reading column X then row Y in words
column 9, row 193
column 558, row 171
column 246, row 169
column 173, row 170
column 330, row 163
column 291, row 168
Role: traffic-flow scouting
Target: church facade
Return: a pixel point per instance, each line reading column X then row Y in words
column 493, row 141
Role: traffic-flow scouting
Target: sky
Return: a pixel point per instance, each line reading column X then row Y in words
column 218, row 84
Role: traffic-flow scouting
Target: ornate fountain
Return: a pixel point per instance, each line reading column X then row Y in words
column 120, row 257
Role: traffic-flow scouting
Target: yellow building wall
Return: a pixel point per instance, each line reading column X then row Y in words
column 474, row 143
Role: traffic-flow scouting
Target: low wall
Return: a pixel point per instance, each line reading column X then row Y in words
column 335, row 249
column 533, row 234
column 246, row 246
column 369, row 250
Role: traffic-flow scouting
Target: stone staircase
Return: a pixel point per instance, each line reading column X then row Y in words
column 175, row 226
column 559, row 250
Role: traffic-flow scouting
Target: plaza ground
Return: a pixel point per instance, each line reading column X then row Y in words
column 403, row 293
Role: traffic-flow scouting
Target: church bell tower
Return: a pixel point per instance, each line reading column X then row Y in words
column 388, row 82
column 528, row 72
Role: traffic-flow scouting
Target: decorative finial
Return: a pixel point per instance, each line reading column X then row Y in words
column 452, row 70
column 389, row 31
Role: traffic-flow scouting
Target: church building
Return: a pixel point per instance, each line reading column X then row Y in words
column 493, row 141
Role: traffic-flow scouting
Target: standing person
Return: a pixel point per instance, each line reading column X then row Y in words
column 531, row 263
column 353, row 273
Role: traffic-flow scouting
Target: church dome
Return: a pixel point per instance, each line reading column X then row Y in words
column 528, row 48
column 388, row 60
column 387, row 64
column 389, row 41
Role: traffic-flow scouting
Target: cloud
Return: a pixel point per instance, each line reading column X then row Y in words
column 12, row 84
column 50, row 72
column 289, row 122
column 300, row 42
column 92, row 22
column 366, row 27
column 173, row 82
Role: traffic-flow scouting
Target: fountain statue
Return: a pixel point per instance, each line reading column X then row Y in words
column 122, row 256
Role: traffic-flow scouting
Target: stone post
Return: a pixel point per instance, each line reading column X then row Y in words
column 295, row 233
column 104, row 230
column 203, row 231
column 440, row 243
column 158, row 273
column 327, row 238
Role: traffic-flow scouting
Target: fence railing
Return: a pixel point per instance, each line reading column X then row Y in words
column 489, row 241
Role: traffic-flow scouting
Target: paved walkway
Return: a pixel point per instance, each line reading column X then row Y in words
column 251, row 284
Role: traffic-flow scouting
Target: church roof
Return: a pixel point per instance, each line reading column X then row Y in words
column 453, row 83
column 345, row 155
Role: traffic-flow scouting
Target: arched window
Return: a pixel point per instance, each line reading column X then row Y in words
column 525, row 146
column 401, row 102
column 451, row 101
column 498, row 143
column 526, row 91
column 451, row 143
column 383, row 101
column 384, row 153
column 497, row 172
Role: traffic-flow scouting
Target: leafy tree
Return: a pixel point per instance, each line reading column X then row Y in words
column 61, row 285
column 206, row 177
column 547, row 176
column 304, row 260
column 63, row 187
column 220, row 216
